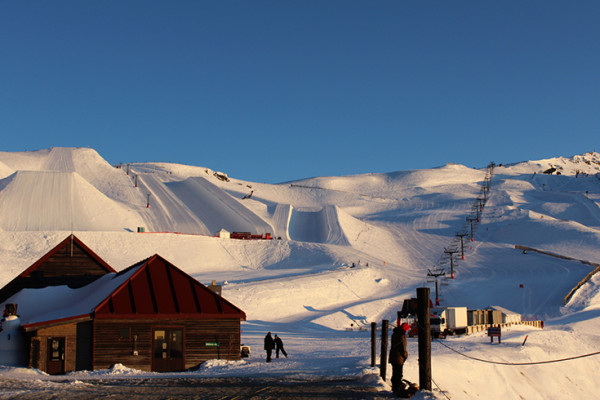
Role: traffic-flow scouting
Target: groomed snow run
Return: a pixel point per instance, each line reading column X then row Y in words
column 352, row 248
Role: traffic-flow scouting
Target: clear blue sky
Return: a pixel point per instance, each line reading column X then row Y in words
column 271, row 91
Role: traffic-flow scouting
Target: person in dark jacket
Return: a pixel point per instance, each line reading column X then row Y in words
column 398, row 355
column 279, row 347
column 269, row 345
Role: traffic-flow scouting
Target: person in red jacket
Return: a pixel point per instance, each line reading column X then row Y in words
column 398, row 355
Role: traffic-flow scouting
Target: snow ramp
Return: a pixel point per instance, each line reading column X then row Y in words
column 167, row 213
column 50, row 200
column 281, row 220
column 317, row 225
column 216, row 208
column 195, row 205
column 5, row 170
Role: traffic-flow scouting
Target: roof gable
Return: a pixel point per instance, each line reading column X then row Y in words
column 70, row 262
column 159, row 289
column 72, row 252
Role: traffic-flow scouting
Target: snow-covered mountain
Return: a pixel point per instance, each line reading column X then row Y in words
column 350, row 248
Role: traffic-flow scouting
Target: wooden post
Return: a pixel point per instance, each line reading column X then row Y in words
column 424, row 338
column 373, row 343
column 384, row 348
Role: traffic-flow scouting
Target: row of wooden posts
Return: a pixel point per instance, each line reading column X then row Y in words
column 424, row 341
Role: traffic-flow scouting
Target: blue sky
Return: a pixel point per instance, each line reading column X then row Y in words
column 271, row 91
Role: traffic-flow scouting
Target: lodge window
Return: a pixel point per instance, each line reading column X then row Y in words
column 125, row 333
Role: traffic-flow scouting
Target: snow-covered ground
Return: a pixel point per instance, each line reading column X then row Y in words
column 351, row 249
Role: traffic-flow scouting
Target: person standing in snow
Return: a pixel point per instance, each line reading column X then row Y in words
column 269, row 345
column 279, row 347
column 398, row 355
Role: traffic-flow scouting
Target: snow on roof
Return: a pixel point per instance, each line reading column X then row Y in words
column 53, row 303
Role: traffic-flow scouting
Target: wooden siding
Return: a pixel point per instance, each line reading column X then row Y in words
column 69, row 263
column 83, row 358
column 39, row 351
column 109, row 348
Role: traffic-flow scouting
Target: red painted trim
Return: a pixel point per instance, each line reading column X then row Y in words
column 59, row 321
column 239, row 316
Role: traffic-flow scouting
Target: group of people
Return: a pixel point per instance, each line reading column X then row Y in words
column 274, row 344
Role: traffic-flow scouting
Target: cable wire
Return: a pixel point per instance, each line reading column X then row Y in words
column 509, row 363
column 440, row 389
column 521, row 363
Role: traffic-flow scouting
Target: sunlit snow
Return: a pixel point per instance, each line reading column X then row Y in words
column 352, row 248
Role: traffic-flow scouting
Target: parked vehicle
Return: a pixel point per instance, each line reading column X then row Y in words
column 448, row 321
column 245, row 351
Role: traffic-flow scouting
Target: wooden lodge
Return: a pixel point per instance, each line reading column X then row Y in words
column 151, row 316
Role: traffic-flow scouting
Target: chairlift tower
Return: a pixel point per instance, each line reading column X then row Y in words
column 451, row 252
column 461, row 235
column 481, row 203
column 471, row 219
column 435, row 275
column 477, row 212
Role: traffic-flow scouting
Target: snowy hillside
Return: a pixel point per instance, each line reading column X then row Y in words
column 350, row 250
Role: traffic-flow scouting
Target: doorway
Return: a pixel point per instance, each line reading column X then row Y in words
column 167, row 350
column 56, row 356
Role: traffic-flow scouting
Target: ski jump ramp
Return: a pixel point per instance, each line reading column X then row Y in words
column 317, row 225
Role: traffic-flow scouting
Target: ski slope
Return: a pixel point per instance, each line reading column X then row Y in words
column 352, row 249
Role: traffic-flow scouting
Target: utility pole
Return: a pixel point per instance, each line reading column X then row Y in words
column 462, row 244
column 424, row 338
column 384, row 348
column 451, row 252
column 373, row 343
column 436, row 275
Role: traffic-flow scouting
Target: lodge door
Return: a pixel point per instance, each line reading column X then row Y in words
column 56, row 355
column 167, row 350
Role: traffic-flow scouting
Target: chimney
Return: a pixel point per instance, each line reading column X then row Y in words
column 215, row 288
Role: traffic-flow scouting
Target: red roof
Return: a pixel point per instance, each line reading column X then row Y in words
column 158, row 289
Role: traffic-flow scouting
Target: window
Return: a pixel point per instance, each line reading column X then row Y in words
column 125, row 333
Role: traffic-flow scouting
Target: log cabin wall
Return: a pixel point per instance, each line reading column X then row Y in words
column 118, row 340
column 39, row 346
column 70, row 261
